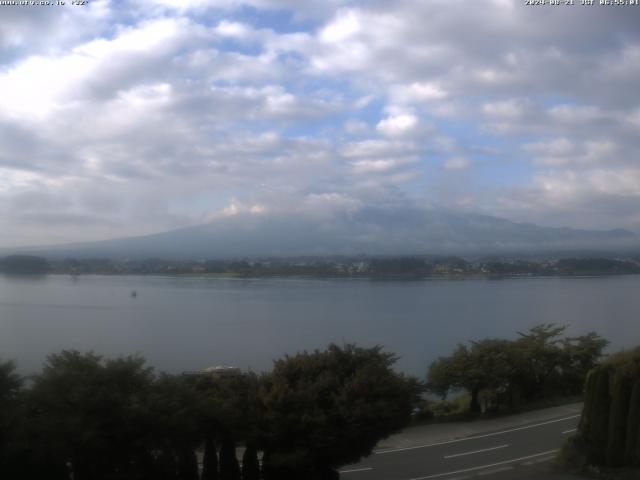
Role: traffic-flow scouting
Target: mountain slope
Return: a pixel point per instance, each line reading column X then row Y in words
column 362, row 231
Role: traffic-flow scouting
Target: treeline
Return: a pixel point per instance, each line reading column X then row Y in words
column 609, row 430
column 90, row 418
column 24, row 264
column 404, row 267
column 503, row 374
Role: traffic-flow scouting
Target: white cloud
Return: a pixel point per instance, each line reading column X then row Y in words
column 398, row 125
column 380, row 165
column 356, row 126
column 507, row 108
column 183, row 106
column 457, row 163
column 417, row 92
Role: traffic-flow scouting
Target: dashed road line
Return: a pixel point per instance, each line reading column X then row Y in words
column 354, row 470
column 448, row 442
column 569, row 431
column 496, row 470
column 538, row 460
column 476, row 451
column 484, row 467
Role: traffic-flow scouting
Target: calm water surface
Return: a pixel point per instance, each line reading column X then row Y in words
column 191, row 323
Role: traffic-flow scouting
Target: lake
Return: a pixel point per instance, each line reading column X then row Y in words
column 191, row 323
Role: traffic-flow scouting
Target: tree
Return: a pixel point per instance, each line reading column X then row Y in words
column 542, row 357
column 487, row 365
column 250, row 464
column 210, row 460
column 609, row 429
column 91, row 413
column 176, row 431
column 10, row 384
column 329, row 408
column 537, row 364
column 581, row 354
column 24, row 265
column 229, row 467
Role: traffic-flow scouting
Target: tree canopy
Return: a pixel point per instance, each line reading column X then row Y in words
column 329, row 408
column 538, row 364
column 106, row 419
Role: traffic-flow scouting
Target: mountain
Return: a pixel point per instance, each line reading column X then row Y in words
column 370, row 231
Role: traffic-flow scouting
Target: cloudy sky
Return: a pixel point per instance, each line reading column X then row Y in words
column 130, row 117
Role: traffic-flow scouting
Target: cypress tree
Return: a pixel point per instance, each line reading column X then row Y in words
column 586, row 419
column 167, row 465
column 618, row 416
column 636, row 458
column 229, row 467
column 599, row 417
column 632, row 447
column 210, row 461
column 250, row 464
column 188, row 465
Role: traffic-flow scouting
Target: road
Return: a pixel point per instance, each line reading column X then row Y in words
column 515, row 451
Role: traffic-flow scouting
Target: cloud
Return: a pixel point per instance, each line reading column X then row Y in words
column 398, row 125
column 457, row 163
column 158, row 114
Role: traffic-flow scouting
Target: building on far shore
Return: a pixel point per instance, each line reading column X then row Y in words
column 218, row 371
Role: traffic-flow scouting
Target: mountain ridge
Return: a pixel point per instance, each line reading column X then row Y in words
column 367, row 231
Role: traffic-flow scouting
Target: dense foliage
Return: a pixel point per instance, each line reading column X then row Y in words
column 401, row 267
column 609, row 430
column 90, row 418
column 24, row 264
column 538, row 364
column 326, row 409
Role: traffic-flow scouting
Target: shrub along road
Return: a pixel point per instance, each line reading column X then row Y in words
column 515, row 447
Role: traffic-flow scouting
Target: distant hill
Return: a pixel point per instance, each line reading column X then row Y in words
column 368, row 231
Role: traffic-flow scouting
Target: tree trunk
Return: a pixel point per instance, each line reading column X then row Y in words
column 474, row 405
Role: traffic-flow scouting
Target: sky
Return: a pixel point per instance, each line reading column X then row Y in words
column 122, row 118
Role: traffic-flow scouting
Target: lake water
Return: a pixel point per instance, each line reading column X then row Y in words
column 191, row 323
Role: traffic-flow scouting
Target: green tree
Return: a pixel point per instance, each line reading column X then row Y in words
column 10, row 384
column 176, row 430
column 487, row 365
column 250, row 464
column 581, row 354
column 537, row 364
column 329, row 408
column 210, row 460
column 542, row 358
column 90, row 413
column 229, row 466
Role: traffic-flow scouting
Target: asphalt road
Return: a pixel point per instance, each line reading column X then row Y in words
column 518, row 452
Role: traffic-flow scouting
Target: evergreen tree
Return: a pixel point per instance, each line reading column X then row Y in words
column 632, row 447
column 210, row 461
column 250, row 464
column 599, row 422
column 188, row 465
column 618, row 417
column 229, row 467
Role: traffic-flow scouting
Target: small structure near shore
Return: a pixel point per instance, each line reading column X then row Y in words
column 218, row 371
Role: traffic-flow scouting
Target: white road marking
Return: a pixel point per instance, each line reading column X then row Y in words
column 483, row 467
column 476, row 451
column 357, row 470
column 393, row 450
column 495, row 470
column 539, row 460
column 569, row 431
